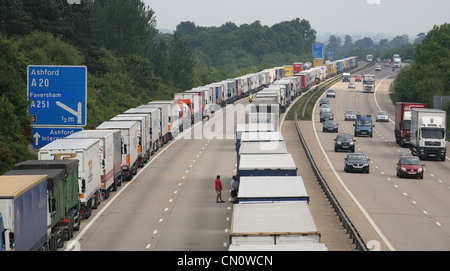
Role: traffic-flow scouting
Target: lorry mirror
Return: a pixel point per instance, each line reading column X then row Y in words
column 11, row 240
column 353, row 124
column 83, row 185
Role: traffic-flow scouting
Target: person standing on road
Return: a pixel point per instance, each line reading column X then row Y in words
column 234, row 188
column 218, row 186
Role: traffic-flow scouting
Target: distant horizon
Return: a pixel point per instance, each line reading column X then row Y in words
column 322, row 34
column 409, row 17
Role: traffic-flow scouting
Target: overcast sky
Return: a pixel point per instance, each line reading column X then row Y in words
column 334, row 16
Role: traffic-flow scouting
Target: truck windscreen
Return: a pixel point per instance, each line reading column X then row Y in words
column 433, row 133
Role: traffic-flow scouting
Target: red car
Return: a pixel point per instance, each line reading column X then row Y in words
column 358, row 78
column 410, row 166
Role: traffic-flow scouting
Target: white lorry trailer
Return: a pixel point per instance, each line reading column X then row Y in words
column 428, row 132
column 144, row 136
column 175, row 121
column 110, row 151
column 155, row 125
column 271, row 188
column 285, row 225
column 164, row 119
column 87, row 152
column 129, row 134
column 276, row 164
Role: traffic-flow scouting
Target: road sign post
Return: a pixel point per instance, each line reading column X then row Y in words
column 58, row 95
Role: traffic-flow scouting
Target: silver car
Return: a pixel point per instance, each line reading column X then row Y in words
column 325, row 108
column 382, row 116
column 350, row 114
column 331, row 93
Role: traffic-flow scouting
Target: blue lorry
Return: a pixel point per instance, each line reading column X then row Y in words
column 24, row 212
column 363, row 125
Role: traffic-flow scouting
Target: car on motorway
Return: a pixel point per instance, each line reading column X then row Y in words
column 382, row 116
column 356, row 162
column 351, row 85
column 410, row 166
column 331, row 93
column 327, row 115
column 350, row 114
column 378, row 68
column 325, row 108
column 358, row 78
column 324, row 101
column 344, row 142
column 330, row 126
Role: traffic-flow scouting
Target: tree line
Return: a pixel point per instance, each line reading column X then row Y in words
column 248, row 47
column 429, row 74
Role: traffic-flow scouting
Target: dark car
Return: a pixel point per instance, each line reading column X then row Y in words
column 356, row 162
column 330, row 126
column 324, row 101
column 344, row 142
column 326, row 116
column 410, row 166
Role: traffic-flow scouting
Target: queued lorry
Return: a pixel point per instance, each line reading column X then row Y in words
column 155, row 125
column 194, row 101
column 260, row 189
column 403, row 121
column 62, row 204
column 86, row 151
column 275, row 164
column 163, row 121
column 285, row 225
column 428, row 132
column 144, row 137
column 24, row 212
column 129, row 135
column 110, row 151
column 170, row 109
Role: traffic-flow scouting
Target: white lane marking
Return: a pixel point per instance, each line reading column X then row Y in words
column 360, row 207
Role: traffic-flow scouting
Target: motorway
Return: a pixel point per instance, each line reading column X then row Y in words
column 170, row 205
column 399, row 214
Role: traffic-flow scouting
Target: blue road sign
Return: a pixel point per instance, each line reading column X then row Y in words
column 57, row 95
column 317, row 50
column 45, row 135
column 330, row 55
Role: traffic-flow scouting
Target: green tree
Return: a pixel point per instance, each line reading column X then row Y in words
column 124, row 26
column 429, row 75
column 181, row 63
